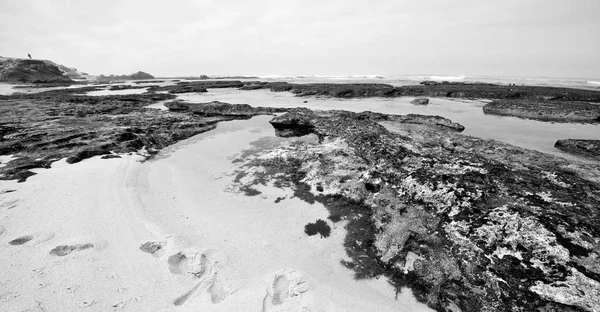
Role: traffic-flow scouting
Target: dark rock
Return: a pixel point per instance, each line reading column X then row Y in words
column 31, row 71
column 87, row 153
column 149, row 81
column 420, row 101
column 587, row 148
column 561, row 111
column 110, row 156
column 213, row 83
column 187, row 89
column 140, row 75
column 302, row 121
column 125, row 87
column 468, row 223
column 217, row 108
column 47, row 126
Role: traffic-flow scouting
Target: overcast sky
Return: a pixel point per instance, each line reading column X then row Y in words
column 377, row 37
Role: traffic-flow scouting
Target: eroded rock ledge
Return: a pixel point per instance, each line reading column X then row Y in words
column 301, row 121
column 587, row 148
column 563, row 111
column 38, row 129
column 469, row 224
column 217, row 108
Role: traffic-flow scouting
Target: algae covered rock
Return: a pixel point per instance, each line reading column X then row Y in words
column 468, row 224
column 420, row 101
column 587, row 148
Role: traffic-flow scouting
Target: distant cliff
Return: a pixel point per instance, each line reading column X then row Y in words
column 18, row 70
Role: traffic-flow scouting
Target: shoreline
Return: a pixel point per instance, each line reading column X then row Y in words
column 226, row 226
column 146, row 202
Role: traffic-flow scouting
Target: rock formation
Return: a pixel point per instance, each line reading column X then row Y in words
column 587, row 148
column 420, row 101
column 14, row 70
column 469, row 224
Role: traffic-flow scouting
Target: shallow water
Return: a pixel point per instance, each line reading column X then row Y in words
column 116, row 92
column 530, row 134
column 257, row 234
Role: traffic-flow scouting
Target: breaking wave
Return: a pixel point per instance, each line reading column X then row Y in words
column 448, row 78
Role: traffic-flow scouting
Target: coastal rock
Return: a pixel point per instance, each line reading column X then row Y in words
column 40, row 128
column 217, row 108
column 481, row 225
column 301, row 121
column 587, row 148
column 140, row 75
column 420, row 101
column 31, row 71
column 197, row 86
column 431, row 89
column 562, row 111
column 187, row 89
column 213, row 83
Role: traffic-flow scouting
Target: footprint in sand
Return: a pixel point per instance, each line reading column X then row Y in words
column 196, row 263
column 9, row 204
column 218, row 291
column 21, row 240
column 204, row 268
column 78, row 244
column 285, row 292
column 32, row 239
column 153, row 248
column 191, row 262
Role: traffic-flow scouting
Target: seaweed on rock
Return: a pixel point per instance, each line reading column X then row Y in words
column 471, row 224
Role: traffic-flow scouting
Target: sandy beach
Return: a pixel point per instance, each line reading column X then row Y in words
column 73, row 235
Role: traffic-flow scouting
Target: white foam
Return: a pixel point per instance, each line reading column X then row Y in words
column 448, row 78
column 594, row 82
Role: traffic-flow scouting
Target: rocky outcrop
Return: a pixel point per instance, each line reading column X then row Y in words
column 301, row 121
column 217, row 108
column 197, row 86
column 31, row 71
column 469, row 224
column 587, row 148
column 562, row 111
column 209, row 84
column 140, row 75
column 431, row 89
column 38, row 129
column 185, row 89
column 420, row 101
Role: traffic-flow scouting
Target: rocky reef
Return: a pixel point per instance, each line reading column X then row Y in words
column 562, row 111
column 38, row 129
column 301, row 121
column 541, row 103
column 587, row 148
column 197, row 86
column 217, row 108
column 469, row 224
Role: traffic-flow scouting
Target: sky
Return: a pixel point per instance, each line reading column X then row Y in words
column 511, row 38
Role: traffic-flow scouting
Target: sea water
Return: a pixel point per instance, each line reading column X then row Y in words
column 526, row 133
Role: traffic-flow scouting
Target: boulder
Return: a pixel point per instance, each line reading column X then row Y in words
column 420, row 101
